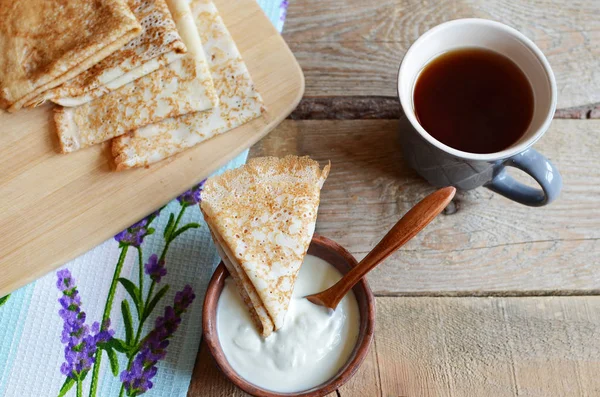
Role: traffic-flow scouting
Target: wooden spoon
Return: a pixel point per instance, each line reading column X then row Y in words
column 407, row 227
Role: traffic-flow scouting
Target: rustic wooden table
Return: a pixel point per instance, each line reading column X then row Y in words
column 493, row 298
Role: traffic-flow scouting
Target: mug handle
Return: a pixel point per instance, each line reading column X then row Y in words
column 539, row 168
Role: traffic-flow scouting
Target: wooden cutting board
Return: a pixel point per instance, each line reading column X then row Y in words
column 54, row 207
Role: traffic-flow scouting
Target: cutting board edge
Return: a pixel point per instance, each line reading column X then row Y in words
column 11, row 284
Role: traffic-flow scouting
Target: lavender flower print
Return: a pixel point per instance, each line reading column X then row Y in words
column 283, row 10
column 81, row 344
column 134, row 234
column 138, row 378
column 155, row 268
column 192, row 196
column 183, row 299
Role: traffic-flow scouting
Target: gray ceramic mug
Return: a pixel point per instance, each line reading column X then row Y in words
column 442, row 165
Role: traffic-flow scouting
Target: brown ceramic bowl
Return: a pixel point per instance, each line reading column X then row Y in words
column 336, row 255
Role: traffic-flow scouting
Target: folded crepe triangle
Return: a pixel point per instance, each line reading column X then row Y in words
column 159, row 45
column 47, row 42
column 184, row 86
column 239, row 102
column 262, row 217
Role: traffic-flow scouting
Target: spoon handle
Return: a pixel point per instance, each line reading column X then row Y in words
column 406, row 228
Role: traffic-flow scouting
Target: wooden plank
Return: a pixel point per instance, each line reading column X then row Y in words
column 354, row 47
column 208, row 381
column 55, row 207
column 534, row 346
column 381, row 107
column 488, row 246
column 366, row 382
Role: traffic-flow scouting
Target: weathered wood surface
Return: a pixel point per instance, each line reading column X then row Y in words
column 354, row 47
column 488, row 246
column 381, row 107
column 467, row 347
column 427, row 345
column 539, row 347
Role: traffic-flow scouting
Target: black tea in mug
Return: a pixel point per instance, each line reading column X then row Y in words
column 474, row 100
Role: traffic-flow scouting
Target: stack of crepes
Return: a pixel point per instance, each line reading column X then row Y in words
column 262, row 218
column 160, row 76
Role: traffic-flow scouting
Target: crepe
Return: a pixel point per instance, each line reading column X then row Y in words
column 44, row 43
column 239, row 102
column 184, row 86
column 248, row 293
column 159, row 45
column 262, row 216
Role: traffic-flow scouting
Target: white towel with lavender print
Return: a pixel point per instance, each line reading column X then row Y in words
column 122, row 319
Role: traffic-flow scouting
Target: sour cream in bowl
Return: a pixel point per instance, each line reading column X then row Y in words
column 315, row 351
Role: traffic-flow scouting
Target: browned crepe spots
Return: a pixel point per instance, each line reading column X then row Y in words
column 44, row 43
column 160, row 41
column 263, row 216
column 239, row 101
column 182, row 87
